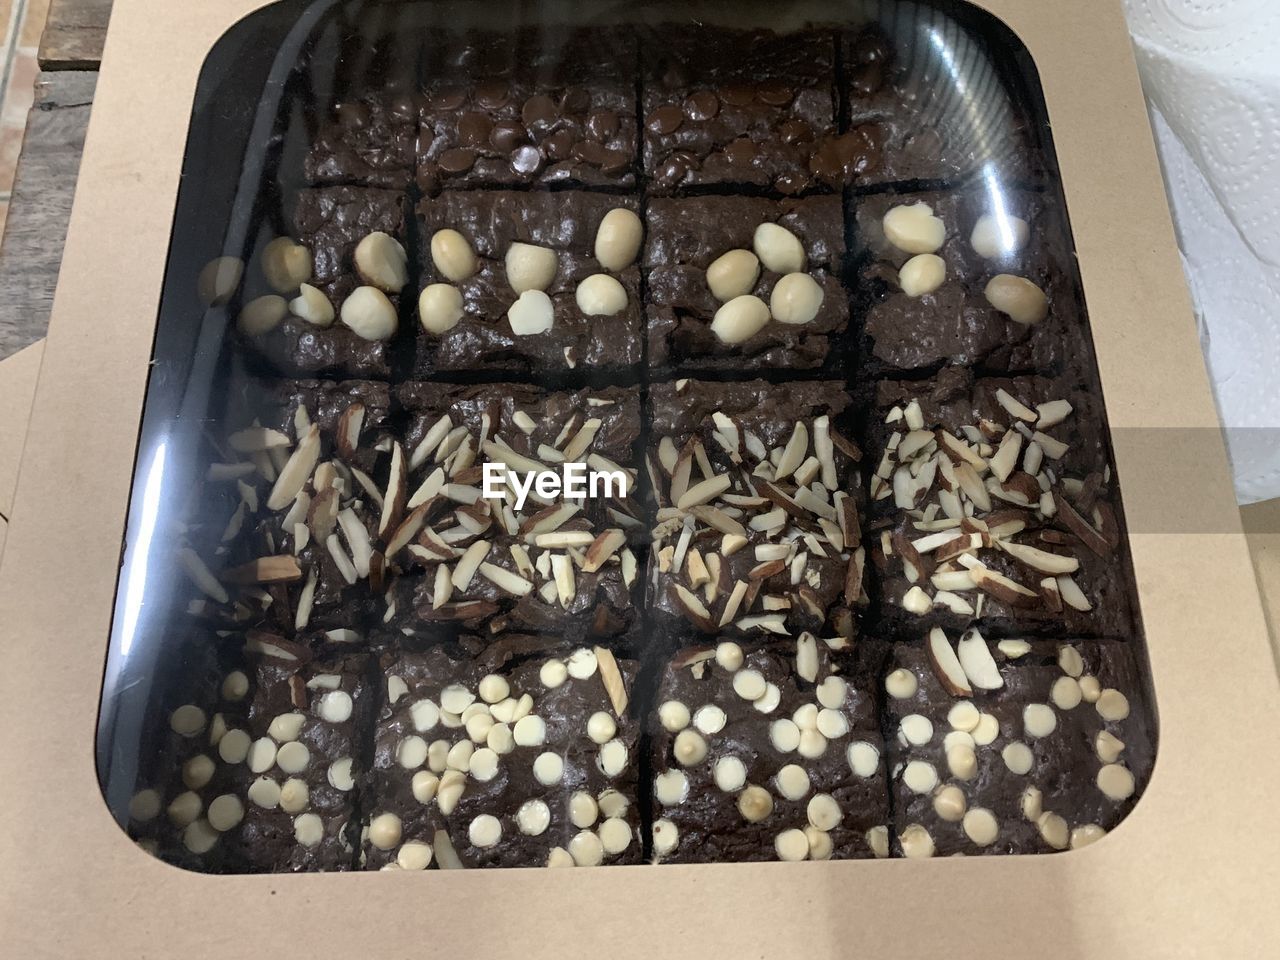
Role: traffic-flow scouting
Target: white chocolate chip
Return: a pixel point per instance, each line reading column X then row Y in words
column 913, row 228
column 1084, row 835
column 312, row 306
column 553, row 674
column 1112, row 705
column 618, row 239
column 733, row 274
column 199, row 837
column 600, row 727
column 455, row 698
column 459, row 756
column 381, row 262
column 530, row 731
column 1039, row 720
column 187, row 721
column 823, row 811
column 184, row 808
column 673, row 715
column 796, row 299
column 996, row 237
column 778, row 248
column 293, row 757
column 1116, row 782
column 286, row 727
column 1053, row 829
column 964, row 716
column 901, row 684
column 414, row 855
column 225, row 812
column 453, row 783
column 709, row 719
column 689, row 748
column 1108, row 747
column 949, row 803
column 864, row 759
column 144, row 806
column 1070, row 661
column 219, row 279
column 1018, row 757
column 339, row 775
column 916, row 842
column 821, row 846
column 493, row 688
column 198, row 771
column 308, row 829
column 452, row 255
column 980, row 826
column 729, row 655
column 671, row 787
column 665, row 836
column 261, row 756
column 478, row 724
column 425, row 715
column 791, row 845
column 484, row 765
column 530, row 267
column 1090, row 689
column 768, row 701
column 484, row 831
column 1066, row 694
column 784, row 735
column 962, row 761
column 792, row 781
column 265, row 793
column 294, row 796
column 730, row 774
column 600, row 295
column 987, row 730
column 559, row 857
column 532, row 314
column 832, row 693
column 923, row 273
column 384, row 831
column 755, row 803
column 286, row 264
column 915, row 730
column 500, row 739
column 234, row 747
column 612, row 803
column 1018, row 298
column 583, row 810
column 235, row 686
column 878, row 841
column 548, row 769
column 424, row 785
column 749, row 684
column 613, row 757
column 440, row 307
column 1032, row 803
column 812, row 744
column 369, row 314
column 740, row 319
column 533, row 818
column 262, row 315
column 335, row 706
column 615, row 835
column 582, row 663
column 920, row 776
column 586, row 849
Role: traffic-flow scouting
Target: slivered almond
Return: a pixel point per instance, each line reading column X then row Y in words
column 772, row 551
column 976, row 661
column 602, row 549
column 306, row 600
column 668, row 454
column 770, row 622
column 681, row 473
column 1081, row 527
column 1052, row 413
column 443, row 587
column 347, row 434
column 296, row 471
column 1040, row 560
column 825, row 450
column 1053, row 448
column 368, row 486
column 682, row 545
column 704, row 491
column 1014, row 407
column 611, row 677
column 778, row 496
column 833, row 533
column 514, row 461
column 430, row 441
column 409, row 528
column 953, row 580
column 731, row 605
column 201, row 575
column 847, row 517
column 357, row 537
column 1072, row 595
column 933, row 541
column 717, row 519
column 762, row 571
column 1050, row 594
column 340, row 559
column 548, row 520
column 276, row 569
column 854, row 575
column 582, row 440
column 769, row 521
column 731, row 543
column 629, row 568
column 323, row 514
column 393, row 503
column 959, row 451
column 806, row 498
column 257, row 440
column 953, row 602
column 469, row 563
column 946, row 665
column 1006, row 457
column 564, row 577
column 1001, row 587
column 972, row 486
column 807, row 657
column 504, row 579
column 559, row 540
column 794, row 453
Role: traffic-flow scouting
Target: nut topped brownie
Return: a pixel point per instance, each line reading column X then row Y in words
column 536, row 107
column 769, row 752
column 533, row 557
column 740, row 108
column 969, row 277
column 993, row 499
column 1013, row 746
column 529, row 282
column 744, row 283
column 757, row 527
column 337, row 285
column 486, row 761
column 366, row 141
column 265, row 770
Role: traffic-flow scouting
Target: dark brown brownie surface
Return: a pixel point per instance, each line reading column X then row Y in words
column 367, row 141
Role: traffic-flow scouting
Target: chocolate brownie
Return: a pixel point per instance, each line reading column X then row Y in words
column 1013, row 746
column 771, row 752
column 544, row 560
column 775, row 264
column 906, row 103
column 264, row 771
column 529, row 282
column 758, row 500
column 993, row 499
column 919, row 317
column 330, row 223
column 535, row 107
column 367, row 141
column 741, row 108
column 488, row 762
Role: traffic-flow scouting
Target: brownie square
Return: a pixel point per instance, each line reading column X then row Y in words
column 367, row 141
column 264, row 773
column 554, row 106
column 768, row 752
column 1047, row 746
column 453, row 432
column 758, row 500
column 906, row 116
column 511, row 757
column 738, row 108
column 331, row 222
column 1022, row 235
column 484, row 338
column 686, row 236
column 951, row 541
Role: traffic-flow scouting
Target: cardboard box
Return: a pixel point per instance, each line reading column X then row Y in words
column 18, row 375
column 1192, row 872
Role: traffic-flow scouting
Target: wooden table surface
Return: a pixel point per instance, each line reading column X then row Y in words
column 44, row 183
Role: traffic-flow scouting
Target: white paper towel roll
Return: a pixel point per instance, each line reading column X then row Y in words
column 1211, row 70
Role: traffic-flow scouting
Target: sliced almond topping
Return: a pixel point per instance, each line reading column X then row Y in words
column 704, row 491
column 443, row 588
column 1014, row 407
column 603, row 548
column 630, row 568
column 560, row 540
column 1041, row 560
column 393, row 503
column 681, row 473
column 696, row 569
column 946, row 665
column 278, row 569
column 731, row 543
column 794, row 453
column 718, row 520
column 1006, row 457
column 1052, row 413
column 340, row 559
column 1080, row 526
column 201, row 576
column 582, row 440
column 257, row 440
column 430, row 441
column 1001, row 587
column 1072, row 595
column 469, row 563
column 959, row 451
column 564, row 577
column 296, row 471
column 1053, row 448
column 505, row 580
column 807, row 657
column 976, row 660
column 548, row 520
column 611, row 677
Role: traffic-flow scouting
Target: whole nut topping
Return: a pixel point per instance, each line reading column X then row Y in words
column 312, row 306
column 601, row 295
column 796, row 298
column 618, row 239
column 732, row 274
column 913, row 228
column 439, row 307
column 995, row 237
column 219, row 279
column 530, row 267
column 923, row 273
column 452, row 255
column 370, row 314
column 286, row 264
column 260, row 315
column 778, row 248
column 1017, row 297
column 532, row 313
column 740, row 319
column 382, row 263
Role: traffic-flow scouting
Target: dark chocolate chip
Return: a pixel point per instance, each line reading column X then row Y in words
column 539, row 110
column 665, row 120
column 457, row 160
column 559, row 145
column 738, row 95
column 602, row 124
column 675, row 167
column 526, row 160
column 492, row 95
column 790, row 183
column 426, row 137
column 403, row 106
column 448, row 99
column 867, row 79
column 506, row 135
column 615, row 161
column 796, row 131
column 473, row 129
column 701, row 105
column 575, row 100
column 588, row 151
column 741, row 152
column 775, row 93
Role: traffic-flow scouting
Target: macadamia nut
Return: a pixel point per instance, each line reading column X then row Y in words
column 913, row 228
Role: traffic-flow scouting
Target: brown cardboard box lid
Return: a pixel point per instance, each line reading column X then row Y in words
column 17, row 391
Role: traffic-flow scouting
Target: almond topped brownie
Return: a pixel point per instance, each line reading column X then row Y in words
column 1012, row 746
column 533, row 283
column 769, row 752
column 993, row 500
column 520, row 755
column 976, row 277
column 757, row 528
column 744, row 283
